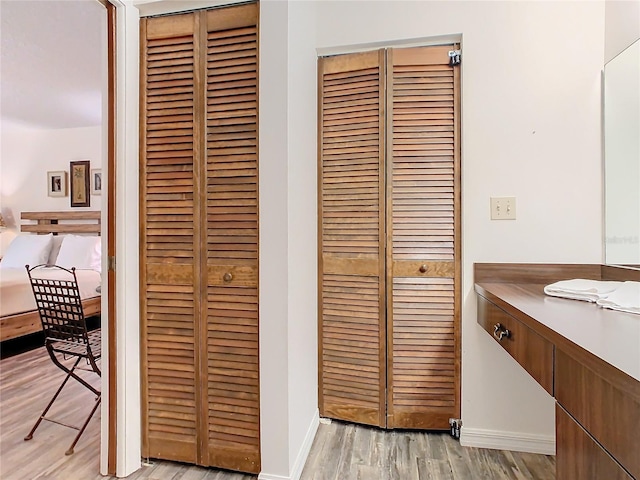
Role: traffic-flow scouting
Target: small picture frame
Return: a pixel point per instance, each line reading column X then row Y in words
column 96, row 181
column 80, row 180
column 57, row 183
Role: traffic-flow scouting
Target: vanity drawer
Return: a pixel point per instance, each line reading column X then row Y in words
column 609, row 413
column 530, row 350
column 579, row 456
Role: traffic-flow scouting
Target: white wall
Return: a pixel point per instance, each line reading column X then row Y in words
column 27, row 154
column 288, row 262
column 302, row 239
column 274, row 248
column 530, row 129
column 622, row 26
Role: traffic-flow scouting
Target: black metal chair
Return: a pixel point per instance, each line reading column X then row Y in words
column 66, row 336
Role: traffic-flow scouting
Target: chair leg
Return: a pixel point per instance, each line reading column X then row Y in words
column 55, row 396
column 84, row 426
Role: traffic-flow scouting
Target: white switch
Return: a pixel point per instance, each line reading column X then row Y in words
column 503, row 208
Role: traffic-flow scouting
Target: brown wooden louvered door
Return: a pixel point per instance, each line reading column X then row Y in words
column 423, row 375
column 351, row 173
column 389, row 238
column 199, row 238
column 169, row 245
column 232, row 239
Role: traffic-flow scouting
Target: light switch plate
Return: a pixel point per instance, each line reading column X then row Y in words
column 503, row 208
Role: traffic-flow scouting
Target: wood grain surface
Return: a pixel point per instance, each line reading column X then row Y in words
column 579, row 455
column 86, row 222
column 530, row 350
column 199, row 237
column 389, row 226
column 540, row 273
column 609, row 413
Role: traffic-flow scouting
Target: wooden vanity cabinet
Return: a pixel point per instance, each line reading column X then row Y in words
column 594, row 394
column 579, row 456
column 530, row 350
column 573, row 350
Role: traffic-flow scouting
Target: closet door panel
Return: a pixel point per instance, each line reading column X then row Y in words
column 422, row 194
column 168, row 243
column 351, row 206
column 199, row 231
column 232, row 387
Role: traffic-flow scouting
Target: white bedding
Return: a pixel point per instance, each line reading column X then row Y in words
column 16, row 295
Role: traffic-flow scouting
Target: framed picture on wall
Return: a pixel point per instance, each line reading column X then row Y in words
column 79, row 173
column 57, row 183
column 96, row 181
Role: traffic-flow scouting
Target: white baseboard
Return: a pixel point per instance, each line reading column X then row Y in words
column 501, row 440
column 303, row 453
column 271, row 476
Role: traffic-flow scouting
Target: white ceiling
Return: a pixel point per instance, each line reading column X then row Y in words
column 52, row 62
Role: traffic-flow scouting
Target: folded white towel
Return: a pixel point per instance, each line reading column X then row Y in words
column 625, row 298
column 581, row 289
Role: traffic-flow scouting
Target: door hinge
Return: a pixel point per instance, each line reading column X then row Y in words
column 111, row 263
column 456, row 425
column 454, row 57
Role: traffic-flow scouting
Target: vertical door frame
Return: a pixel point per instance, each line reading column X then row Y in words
column 121, row 437
column 111, row 240
column 111, row 377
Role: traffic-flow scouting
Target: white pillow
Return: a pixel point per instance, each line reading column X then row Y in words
column 82, row 252
column 29, row 250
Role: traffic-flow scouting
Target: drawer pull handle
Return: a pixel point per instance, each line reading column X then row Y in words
column 423, row 269
column 499, row 332
column 227, row 277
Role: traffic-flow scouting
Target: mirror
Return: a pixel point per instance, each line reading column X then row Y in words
column 622, row 157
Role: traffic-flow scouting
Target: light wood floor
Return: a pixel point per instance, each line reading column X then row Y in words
column 339, row 452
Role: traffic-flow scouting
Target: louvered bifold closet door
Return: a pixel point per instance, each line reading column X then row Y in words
column 423, row 238
column 351, row 226
column 168, row 236
column 232, row 387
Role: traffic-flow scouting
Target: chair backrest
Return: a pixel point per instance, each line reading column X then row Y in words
column 59, row 305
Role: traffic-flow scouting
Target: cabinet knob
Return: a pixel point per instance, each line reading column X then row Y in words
column 423, row 268
column 227, row 277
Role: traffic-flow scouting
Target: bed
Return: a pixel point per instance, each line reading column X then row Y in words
column 71, row 234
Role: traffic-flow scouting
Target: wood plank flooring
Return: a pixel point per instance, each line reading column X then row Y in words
column 340, row 451
column 344, row 451
column 27, row 383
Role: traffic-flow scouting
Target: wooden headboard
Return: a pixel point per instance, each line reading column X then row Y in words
column 62, row 222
